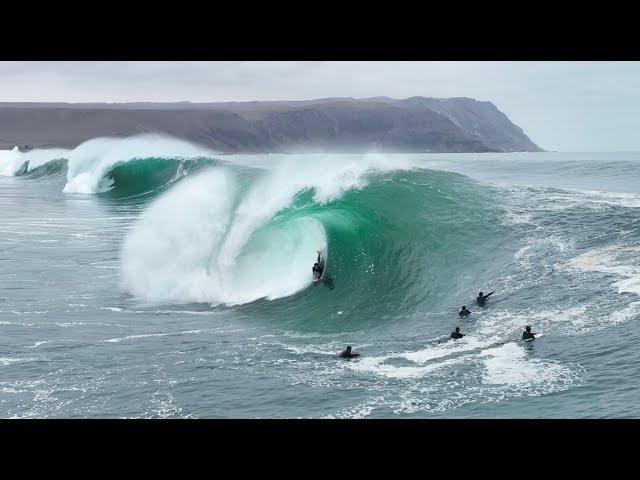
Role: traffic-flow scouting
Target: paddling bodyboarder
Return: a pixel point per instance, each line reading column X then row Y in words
column 348, row 353
column 482, row 299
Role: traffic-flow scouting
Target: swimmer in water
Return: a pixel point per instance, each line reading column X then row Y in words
column 464, row 312
column 482, row 299
column 348, row 353
column 456, row 335
column 528, row 334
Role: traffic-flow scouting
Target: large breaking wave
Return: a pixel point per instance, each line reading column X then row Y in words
column 235, row 234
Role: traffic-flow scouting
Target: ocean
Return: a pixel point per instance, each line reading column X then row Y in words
column 146, row 277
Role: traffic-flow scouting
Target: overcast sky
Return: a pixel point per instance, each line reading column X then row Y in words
column 565, row 106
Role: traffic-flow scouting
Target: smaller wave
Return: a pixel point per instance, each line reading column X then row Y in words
column 36, row 163
column 51, row 168
column 97, row 165
column 11, row 162
column 509, row 365
column 139, row 177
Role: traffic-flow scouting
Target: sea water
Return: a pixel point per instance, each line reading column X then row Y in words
column 148, row 277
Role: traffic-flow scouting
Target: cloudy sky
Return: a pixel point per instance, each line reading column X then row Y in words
column 565, row 106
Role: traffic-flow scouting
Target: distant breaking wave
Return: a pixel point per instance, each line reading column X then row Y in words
column 123, row 166
column 14, row 162
column 96, row 165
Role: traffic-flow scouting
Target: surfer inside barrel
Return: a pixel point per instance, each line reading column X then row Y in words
column 318, row 268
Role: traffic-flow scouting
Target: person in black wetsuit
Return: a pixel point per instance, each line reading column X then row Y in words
column 528, row 334
column 348, row 353
column 317, row 268
column 464, row 312
column 482, row 299
column 456, row 335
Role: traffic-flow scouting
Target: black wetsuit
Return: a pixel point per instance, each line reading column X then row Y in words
column 528, row 335
column 483, row 300
column 464, row 313
column 317, row 270
column 456, row 335
column 346, row 354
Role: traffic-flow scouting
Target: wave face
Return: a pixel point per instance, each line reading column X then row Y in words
column 233, row 235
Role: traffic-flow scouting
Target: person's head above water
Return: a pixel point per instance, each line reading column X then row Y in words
column 464, row 307
column 480, row 294
column 348, row 350
column 457, row 329
column 527, row 328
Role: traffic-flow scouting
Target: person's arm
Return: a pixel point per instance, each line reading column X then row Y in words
column 489, row 294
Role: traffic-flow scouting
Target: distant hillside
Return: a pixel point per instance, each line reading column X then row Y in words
column 416, row 124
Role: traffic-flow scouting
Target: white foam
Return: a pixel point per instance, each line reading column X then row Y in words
column 11, row 161
column 151, row 335
column 444, row 349
column 614, row 260
column 509, row 365
column 378, row 366
column 5, row 361
column 620, row 199
column 359, row 411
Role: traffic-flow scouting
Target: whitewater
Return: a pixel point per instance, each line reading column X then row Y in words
column 151, row 277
